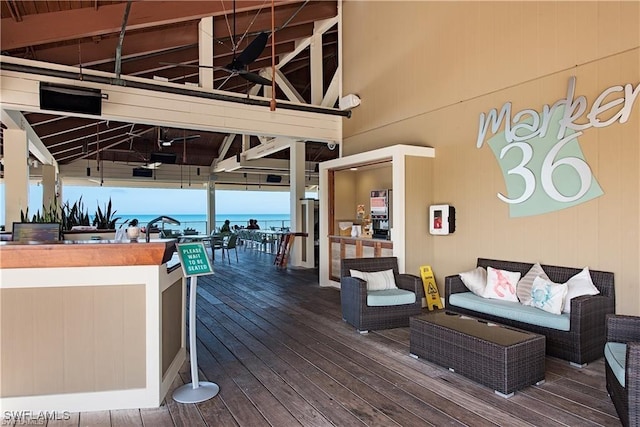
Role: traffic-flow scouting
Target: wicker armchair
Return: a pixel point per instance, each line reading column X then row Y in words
column 625, row 397
column 353, row 294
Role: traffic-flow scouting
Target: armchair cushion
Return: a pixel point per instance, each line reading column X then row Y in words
column 615, row 354
column 377, row 280
column 390, row 297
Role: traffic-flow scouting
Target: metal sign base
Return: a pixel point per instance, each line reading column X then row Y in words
column 188, row 394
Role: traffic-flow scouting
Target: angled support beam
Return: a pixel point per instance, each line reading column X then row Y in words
column 226, row 144
column 333, row 91
column 321, row 28
column 284, row 84
column 227, row 165
column 273, row 145
column 224, row 148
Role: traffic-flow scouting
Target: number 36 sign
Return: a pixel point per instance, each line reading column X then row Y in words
column 539, row 153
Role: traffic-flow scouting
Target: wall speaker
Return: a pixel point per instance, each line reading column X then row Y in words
column 71, row 99
column 166, row 158
column 274, row 178
column 142, row 172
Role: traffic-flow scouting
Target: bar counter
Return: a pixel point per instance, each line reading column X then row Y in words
column 89, row 325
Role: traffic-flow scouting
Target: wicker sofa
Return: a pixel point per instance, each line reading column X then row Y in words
column 585, row 339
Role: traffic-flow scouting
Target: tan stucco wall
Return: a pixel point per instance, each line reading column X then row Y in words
column 426, row 70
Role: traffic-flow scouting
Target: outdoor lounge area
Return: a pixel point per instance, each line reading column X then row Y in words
column 436, row 135
column 276, row 345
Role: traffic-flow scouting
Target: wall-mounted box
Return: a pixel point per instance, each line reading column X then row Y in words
column 442, row 219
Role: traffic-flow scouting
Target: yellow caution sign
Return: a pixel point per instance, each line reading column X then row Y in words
column 430, row 288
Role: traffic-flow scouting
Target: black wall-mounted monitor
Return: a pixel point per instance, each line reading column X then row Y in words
column 142, row 172
column 72, row 99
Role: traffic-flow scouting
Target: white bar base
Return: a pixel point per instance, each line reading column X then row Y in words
column 188, row 394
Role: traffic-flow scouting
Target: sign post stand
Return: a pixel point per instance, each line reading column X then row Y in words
column 195, row 262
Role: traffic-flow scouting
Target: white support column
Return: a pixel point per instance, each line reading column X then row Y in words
column 16, row 175
column 296, row 188
column 49, row 186
column 211, row 206
column 205, row 51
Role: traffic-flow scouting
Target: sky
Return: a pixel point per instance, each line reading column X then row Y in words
column 164, row 201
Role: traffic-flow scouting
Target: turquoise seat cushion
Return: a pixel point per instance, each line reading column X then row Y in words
column 510, row 310
column 390, row 297
column 615, row 353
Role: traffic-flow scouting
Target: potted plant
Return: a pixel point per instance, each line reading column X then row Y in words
column 105, row 220
column 73, row 216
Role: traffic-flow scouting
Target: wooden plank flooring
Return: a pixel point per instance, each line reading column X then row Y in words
column 275, row 343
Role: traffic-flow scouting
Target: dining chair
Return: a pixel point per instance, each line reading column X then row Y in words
column 227, row 244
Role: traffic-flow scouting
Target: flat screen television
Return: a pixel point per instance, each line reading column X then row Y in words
column 35, row 231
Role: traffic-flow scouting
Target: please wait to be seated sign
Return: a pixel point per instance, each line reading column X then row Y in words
column 194, row 259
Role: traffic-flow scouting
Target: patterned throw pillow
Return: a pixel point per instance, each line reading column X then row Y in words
column 475, row 280
column 578, row 285
column 501, row 284
column 377, row 280
column 547, row 295
column 523, row 289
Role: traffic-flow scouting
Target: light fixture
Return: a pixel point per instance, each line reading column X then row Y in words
column 166, row 143
column 348, row 102
column 353, row 169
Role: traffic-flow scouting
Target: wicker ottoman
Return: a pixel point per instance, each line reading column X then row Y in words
column 501, row 357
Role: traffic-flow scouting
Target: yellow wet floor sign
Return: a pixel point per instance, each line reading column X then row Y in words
column 430, row 288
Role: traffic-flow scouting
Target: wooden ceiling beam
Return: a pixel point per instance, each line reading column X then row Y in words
column 87, row 22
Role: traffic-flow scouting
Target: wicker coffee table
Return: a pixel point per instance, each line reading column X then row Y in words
column 501, row 357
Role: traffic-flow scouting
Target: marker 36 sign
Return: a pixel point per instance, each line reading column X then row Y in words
column 539, row 153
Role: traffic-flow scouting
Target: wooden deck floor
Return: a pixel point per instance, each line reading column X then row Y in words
column 275, row 343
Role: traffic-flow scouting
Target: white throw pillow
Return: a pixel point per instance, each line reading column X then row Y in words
column 523, row 289
column 501, row 284
column 475, row 280
column 578, row 285
column 377, row 280
column 547, row 295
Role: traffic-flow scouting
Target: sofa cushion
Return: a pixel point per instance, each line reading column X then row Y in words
column 523, row 289
column 376, row 280
column 510, row 310
column 578, row 285
column 615, row 353
column 547, row 295
column 501, row 284
column 475, row 280
column 390, row 297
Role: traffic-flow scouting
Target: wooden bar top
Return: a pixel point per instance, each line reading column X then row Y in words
column 85, row 253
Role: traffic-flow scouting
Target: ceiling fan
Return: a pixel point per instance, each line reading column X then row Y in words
column 240, row 63
column 165, row 141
